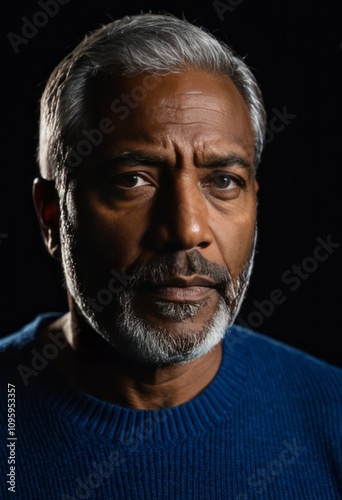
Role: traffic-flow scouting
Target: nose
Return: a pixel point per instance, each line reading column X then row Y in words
column 181, row 216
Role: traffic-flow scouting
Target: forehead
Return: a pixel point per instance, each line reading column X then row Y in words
column 194, row 109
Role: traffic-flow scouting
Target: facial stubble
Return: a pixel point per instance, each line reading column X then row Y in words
column 174, row 339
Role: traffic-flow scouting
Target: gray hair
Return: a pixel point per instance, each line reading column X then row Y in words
column 151, row 43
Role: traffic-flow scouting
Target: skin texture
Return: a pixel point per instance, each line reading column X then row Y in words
column 178, row 201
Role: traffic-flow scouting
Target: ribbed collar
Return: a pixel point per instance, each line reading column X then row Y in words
column 114, row 423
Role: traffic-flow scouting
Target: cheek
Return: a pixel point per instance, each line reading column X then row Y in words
column 235, row 240
column 110, row 238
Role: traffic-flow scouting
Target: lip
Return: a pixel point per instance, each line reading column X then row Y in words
column 182, row 282
column 181, row 289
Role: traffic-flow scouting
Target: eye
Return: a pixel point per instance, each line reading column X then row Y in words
column 129, row 181
column 224, row 181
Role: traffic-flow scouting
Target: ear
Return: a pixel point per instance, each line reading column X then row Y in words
column 46, row 203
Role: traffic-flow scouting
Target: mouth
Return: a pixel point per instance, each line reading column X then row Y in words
column 180, row 289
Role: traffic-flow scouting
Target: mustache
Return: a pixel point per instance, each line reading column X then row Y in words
column 159, row 268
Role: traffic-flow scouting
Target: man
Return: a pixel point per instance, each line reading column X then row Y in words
column 150, row 135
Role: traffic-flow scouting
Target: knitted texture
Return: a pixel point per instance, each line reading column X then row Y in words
column 269, row 426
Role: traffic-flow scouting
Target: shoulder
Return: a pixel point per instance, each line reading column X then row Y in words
column 20, row 359
column 265, row 344
column 17, row 346
column 20, row 339
column 290, row 367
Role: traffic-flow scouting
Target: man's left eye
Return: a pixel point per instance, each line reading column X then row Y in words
column 224, row 181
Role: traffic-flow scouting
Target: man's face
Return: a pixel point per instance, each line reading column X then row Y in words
column 168, row 199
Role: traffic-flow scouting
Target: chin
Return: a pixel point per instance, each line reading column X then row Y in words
column 154, row 342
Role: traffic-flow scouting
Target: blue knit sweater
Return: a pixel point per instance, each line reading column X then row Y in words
column 269, row 426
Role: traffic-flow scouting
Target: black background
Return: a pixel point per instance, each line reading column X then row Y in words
column 295, row 51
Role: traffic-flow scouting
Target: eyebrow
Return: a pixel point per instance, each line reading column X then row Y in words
column 155, row 160
column 135, row 158
column 229, row 160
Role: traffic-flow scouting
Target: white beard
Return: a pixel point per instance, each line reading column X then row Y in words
column 134, row 337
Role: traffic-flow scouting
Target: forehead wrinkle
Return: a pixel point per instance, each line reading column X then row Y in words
column 192, row 110
column 189, row 116
column 192, row 101
column 213, row 143
column 177, row 150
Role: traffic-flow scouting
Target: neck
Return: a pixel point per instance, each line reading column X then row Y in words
column 90, row 364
